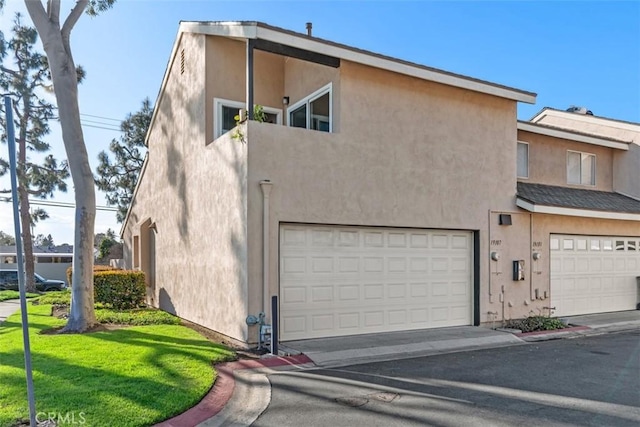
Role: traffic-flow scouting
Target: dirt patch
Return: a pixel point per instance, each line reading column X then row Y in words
column 61, row 311
column 100, row 327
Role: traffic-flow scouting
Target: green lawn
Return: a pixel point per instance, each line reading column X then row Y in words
column 7, row 295
column 134, row 376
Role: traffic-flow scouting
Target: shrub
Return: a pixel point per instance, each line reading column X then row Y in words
column 58, row 297
column 95, row 269
column 120, row 289
column 139, row 317
column 536, row 323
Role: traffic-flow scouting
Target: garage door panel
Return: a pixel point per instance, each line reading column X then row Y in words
column 351, row 280
column 593, row 277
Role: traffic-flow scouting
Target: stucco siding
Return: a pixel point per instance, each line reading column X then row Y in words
column 591, row 125
column 530, row 233
column 626, row 172
column 226, row 76
column 408, row 154
column 548, row 161
column 195, row 195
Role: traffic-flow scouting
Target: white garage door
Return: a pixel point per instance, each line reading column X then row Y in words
column 354, row 280
column 594, row 274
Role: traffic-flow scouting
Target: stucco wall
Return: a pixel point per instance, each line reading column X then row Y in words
column 530, row 233
column 592, row 125
column 226, row 76
column 195, row 195
column 408, row 153
column 626, row 172
column 548, row 161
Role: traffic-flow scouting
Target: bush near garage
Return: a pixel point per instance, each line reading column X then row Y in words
column 536, row 323
column 120, row 289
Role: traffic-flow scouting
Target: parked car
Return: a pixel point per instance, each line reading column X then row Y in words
column 9, row 281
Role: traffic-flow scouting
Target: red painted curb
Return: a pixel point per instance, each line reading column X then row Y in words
column 213, row 402
column 555, row 331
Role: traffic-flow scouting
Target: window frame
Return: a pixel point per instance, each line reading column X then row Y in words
column 517, row 162
column 218, row 103
column 307, row 100
column 594, row 170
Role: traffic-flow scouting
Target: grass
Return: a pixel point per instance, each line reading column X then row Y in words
column 105, row 315
column 138, row 317
column 134, row 376
column 7, row 295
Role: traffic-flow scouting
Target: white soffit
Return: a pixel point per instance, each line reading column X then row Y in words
column 586, row 118
column 253, row 31
column 554, row 210
column 572, row 136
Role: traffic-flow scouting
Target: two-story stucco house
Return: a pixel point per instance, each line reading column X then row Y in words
column 379, row 195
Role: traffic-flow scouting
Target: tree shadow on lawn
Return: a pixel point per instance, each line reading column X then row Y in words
column 9, row 326
column 57, row 375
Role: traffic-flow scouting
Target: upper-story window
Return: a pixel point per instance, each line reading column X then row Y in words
column 581, row 168
column 313, row 112
column 225, row 112
column 523, row 160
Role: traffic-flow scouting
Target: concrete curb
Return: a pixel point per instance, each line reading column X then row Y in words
column 240, row 394
column 335, row 359
column 579, row 331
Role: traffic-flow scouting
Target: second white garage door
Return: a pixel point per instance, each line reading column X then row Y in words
column 594, row 274
column 353, row 280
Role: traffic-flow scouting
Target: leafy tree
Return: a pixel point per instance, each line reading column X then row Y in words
column 118, row 178
column 56, row 37
column 7, row 239
column 23, row 76
column 41, row 240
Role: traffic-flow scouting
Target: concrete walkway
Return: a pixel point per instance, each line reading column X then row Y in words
column 7, row 308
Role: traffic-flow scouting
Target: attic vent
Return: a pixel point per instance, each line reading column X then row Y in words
column 182, row 61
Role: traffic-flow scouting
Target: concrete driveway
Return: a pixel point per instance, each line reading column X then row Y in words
column 583, row 381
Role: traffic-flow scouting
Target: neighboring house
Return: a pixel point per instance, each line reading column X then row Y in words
column 51, row 262
column 374, row 199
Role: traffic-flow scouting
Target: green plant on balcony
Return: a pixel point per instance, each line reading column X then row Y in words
column 258, row 115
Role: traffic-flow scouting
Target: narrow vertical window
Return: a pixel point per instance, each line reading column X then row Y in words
column 523, row 160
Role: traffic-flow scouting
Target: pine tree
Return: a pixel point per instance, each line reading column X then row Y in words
column 118, row 178
column 24, row 75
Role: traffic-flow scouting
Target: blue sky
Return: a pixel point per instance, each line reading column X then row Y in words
column 569, row 53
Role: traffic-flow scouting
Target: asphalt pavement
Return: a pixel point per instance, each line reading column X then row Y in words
column 583, row 381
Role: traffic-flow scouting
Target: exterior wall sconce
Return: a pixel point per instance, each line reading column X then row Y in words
column 285, row 100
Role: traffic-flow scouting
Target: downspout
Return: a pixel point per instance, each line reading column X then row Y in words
column 265, row 185
column 249, row 75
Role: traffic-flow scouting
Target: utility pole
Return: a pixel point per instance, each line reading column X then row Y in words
column 11, row 142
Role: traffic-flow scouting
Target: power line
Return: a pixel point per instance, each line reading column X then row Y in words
column 101, row 127
column 59, row 204
column 101, row 117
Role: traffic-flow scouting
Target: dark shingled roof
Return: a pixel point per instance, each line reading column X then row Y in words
column 577, row 198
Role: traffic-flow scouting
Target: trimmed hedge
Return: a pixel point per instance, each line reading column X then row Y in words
column 120, row 289
column 95, row 268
